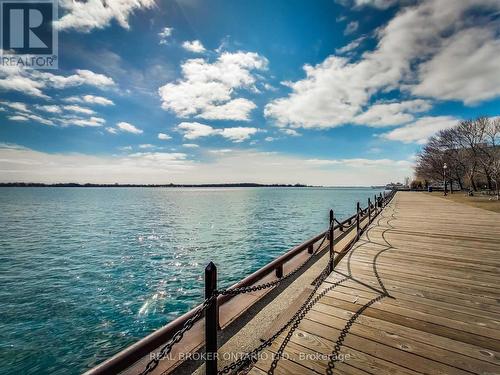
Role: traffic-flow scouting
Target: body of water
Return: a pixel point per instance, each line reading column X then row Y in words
column 84, row 272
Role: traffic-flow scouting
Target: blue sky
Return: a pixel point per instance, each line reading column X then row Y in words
column 187, row 91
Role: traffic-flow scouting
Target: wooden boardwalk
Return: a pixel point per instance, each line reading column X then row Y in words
column 419, row 293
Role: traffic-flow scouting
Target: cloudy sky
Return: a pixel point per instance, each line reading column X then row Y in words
column 187, row 91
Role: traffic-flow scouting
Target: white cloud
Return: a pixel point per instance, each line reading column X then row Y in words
column 31, row 82
column 337, row 90
column 190, row 145
column 129, row 128
column 237, row 134
column 18, row 106
column 78, row 109
column 164, row 136
column 98, row 14
column 26, row 116
column 93, row 121
column 380, row 4
column 351, row 27
column 236, row 109
column 388, row 114
column 351, row 46
column 146, row 145
column 360, row 162
column 18, row 118
column 292, row 132
column 207, row 89
column 223, row 166
column 194, row 46
column 49, row 108
column 97, row 100
column 90, row 99
column 466, row 69
column 194, row 130
column 269, row 139
column 111, row 130
column 421, row 130
column 164, row 34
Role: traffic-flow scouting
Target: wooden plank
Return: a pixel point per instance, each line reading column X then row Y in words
column 439, row 261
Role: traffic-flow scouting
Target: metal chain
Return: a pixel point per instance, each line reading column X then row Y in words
column 254, row 288
column 251, row 356
column 167, row 348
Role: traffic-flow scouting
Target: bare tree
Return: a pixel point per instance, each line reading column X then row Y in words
column 470, row 150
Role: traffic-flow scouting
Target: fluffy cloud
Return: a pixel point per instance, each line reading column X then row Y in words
column 97, row 14
column 20, row 164
column 416, row 52
column 18, row 106
column 380, row 4
column 351, row 46
column 49, row 108
column 387, row 114
column 18, row 118
column 475, row 78
column 421, row 130
column 207, row 89
column 194, row 46
column 194, row 130
column 236, row 109
column 90, row 99
column 128, row 128
column 237, row 134
column 31, row 82
column 78, row 109
column 93, row 121
column 26, row 116
column 292, row 132
column 164, row 34
column 164, row 136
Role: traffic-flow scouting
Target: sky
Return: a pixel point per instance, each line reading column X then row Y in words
column 337, row 92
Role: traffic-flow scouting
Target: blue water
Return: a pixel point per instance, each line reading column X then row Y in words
column 84, row 272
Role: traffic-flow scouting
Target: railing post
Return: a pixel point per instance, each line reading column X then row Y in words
column 375, row 203
column 357, row 220
column 332, row 225
column 310, row 248
column 211, row 320
column 279, row 271
column 369, row 211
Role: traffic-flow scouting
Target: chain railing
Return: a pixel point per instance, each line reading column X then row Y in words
column 170, row 335
column 212, row 293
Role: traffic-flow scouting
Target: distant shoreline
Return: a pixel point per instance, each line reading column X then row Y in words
column 72, row 184
column 89, row 185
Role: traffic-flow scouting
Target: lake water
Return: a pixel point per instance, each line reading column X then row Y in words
column 84, row 272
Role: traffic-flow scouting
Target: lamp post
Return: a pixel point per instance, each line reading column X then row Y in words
column 444, row 178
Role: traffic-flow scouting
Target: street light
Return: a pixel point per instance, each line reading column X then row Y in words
column 444, row 177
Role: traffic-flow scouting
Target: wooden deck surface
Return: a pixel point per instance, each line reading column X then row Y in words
column 419, row 293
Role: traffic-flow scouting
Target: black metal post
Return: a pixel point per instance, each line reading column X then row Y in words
column 375, row 203
column 369, row 211
column 310, row 249
column 331, row 239
column 211, row 320
column 279, row 271
column 357, row 220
